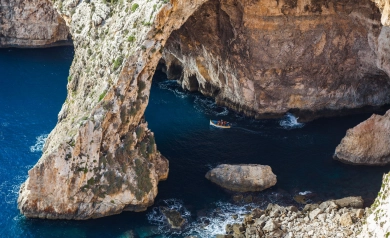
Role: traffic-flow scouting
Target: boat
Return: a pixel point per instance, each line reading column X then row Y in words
column 215, row 124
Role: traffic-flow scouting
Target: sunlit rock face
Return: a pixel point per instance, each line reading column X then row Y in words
column 367, row 143
column 265, row 58
column 31, row 24
column 101, row 159
column 262, row 58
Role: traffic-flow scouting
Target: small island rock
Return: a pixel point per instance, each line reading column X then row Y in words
column 242, row 178
column 175, row 220
column 367, row 143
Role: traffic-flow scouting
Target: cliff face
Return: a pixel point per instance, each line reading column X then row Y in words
column 101, row 159
column 33, row 23
column 377, row 222
column 259, row 57
column 265, row 58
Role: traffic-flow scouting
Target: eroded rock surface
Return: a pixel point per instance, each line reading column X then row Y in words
column 101, row 158
column 377, row 223
column 242, row 178
column 367, row 143
column 264, row 58
column 326, row 220
column 32, row 24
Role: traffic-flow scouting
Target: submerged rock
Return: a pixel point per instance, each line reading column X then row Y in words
column 175, row 220
column 242, row 178
column 367, row 143
column 301, row 199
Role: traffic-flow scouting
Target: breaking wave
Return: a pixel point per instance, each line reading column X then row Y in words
column 289, row 121
column 209, row 225
column 215, row 222
column 173, row 86
column 305, row 193
column 155, row 217
column 39, row 144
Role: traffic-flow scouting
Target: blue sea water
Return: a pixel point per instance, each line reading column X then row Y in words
column 33, row 88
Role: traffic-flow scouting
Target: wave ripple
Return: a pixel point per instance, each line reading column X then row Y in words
column 39, row 144
column 289, row 121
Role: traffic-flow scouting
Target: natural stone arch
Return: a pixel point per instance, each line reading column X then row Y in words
column 101, row 122
column 101, row 159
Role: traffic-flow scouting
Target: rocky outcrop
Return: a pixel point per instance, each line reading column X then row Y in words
column 101, row 158
column 264, row 58
column 367, row 143
column 174, row 218
column 377, row 223
column 242, row 178
column 315, row 220
column 384, row 7
column 275, row 56
column 33, row 23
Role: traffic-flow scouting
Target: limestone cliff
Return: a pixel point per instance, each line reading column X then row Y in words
column 377, row 223
column 260, row 57
column 33, row 23
column 101, row 159
column 264, row 58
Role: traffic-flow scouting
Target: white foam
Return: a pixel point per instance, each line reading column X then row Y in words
column 174, row 87
column 215, row 223
column 155, row 217
column 289, row 121
column 39, row 144
column 305, row 193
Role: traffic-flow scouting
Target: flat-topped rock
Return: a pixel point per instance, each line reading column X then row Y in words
column 243, row 177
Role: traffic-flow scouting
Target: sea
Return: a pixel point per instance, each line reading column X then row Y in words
column 33, row 89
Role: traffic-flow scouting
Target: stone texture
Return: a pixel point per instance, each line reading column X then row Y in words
column 346, row 220
column 355, row 202
column 265, row 58
column 242, row 178
column 290, row 224
column 101, row 158
column 367, row 143
column 33, row 23
column 175, row 220
column 377, row 220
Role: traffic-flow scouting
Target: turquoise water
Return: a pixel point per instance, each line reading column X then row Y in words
column 33, row 88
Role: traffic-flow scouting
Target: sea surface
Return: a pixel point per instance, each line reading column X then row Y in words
column 33, row 88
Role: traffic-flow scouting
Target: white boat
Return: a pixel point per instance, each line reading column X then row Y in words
column 215, row 123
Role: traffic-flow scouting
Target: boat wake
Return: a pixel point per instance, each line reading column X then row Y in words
column 289, row 121
column 39, row 144
column 246, row 130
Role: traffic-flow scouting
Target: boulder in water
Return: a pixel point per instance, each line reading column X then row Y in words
column 367, row 143
column 242, row 178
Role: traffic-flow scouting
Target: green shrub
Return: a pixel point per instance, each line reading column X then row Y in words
column 118, row 62
column 143, row 180
column 131, row 39
column 134, row 7
column 102, row 95
column 140, row 132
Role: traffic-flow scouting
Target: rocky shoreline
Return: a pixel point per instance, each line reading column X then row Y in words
column 334, row 218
